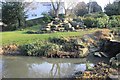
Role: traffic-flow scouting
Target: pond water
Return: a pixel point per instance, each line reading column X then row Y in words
column 35, row 67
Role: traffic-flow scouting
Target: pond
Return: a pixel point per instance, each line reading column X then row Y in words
column 35, row 67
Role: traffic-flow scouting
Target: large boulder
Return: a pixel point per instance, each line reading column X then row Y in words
column 111, row 48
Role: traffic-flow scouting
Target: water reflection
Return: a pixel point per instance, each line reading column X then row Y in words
column 0, row 67
column 32, row 67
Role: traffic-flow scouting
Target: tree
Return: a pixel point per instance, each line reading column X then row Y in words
column 113, row 9
column 13, row 15
column 81, row 9
column 56, row 7
column 94, row 7
column 68, row 6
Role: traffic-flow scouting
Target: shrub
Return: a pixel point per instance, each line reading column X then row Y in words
column 98, row 19
column 96, row 15
column 114, row 21
column 61, row 16
column 68, row 47
column 33, row 49
column 101, row 22
column 49, row 48
column 38, row 49
column 89, row 22
column 59, row 41
column 47, row 18
column 30, row 32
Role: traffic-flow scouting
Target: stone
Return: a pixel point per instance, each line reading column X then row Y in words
column 113, row 71
column 74, row 24
column 1, row 51
column 66, row 21
column 115, row 61
column 118, row 56
column 73, row 29
column 97, row 54
column 111, row 48
column 70, row 26
column 50, row 24
column 83, row 52
column 103, row 54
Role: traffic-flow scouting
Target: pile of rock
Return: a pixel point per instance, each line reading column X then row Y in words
column 66, row 24
column 100, row 71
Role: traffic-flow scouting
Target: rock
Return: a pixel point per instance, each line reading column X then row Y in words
column 74, row 23
column 113, row 77
column 47, row 28
column 103, row 54
column 97, row 54
column 115, row 61
column 87, row 74
column 93, row 49
column 72, row 29
column 77, row 27
column 118, row 56
column 79, row 73
column 50, row 24
column 66, row 21
column 70, row 26
column 111, row 48
column 88, row 38
column 1, row 51
column 83, row 52
column 89, row 66
column 113, row 71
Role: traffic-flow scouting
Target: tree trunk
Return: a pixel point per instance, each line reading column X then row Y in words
column 119, row 7
column 19, row 23
column 57, row 13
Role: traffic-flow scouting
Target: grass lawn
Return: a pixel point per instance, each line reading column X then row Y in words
column 20, row 37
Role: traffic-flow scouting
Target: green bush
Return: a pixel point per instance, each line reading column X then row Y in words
column 101, row 22
column 61, row 16
column 59, row 41
column 33, row 49
column 98, row 19
column 49, row 48
column 96, row 15
column 38, row 49
column 114, row 21
column 68, row 47
column 90, row 22
column 31, row 32
column 47, row 18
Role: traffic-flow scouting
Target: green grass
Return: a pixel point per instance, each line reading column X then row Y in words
column 20, row 37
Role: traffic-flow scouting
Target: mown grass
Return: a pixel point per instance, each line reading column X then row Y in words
column 21, row 37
